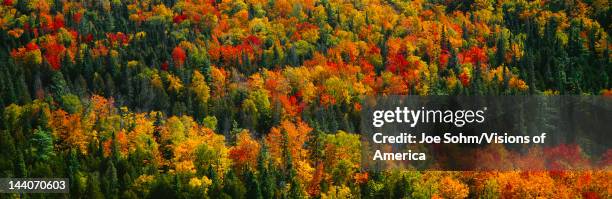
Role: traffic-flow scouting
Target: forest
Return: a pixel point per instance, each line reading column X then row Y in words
column 262, row 98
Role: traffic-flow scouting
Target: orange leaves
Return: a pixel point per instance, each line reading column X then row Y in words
column 516, row 83
column 361, row 178
column 297, row 134
column 451, row 188
column 290, row 105
column 102, row 107
column 16, row 33
column 525, row 185
column 606, row 92
column 179, row 56
column 245, row 153
column 219, row 76
column 475, row 55
column 69, row 129
column 53, row 54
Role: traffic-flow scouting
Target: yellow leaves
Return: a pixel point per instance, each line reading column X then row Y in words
column 451, row 81
column 216, row 144
column 311, row 35
column 173, row 130
column 256, row 82
column 495, row 74
column 342, row 147
column 141, row 35
column 305, row 172
column 199, row 183
column 185, row 145
column 161, row 12
column 141, row 136
column 132, row 64
column 142, row 183
column 338, row 89
column 156, row 81
column 187, row 46
column 218, row 80
column 42, row 6
column 184, row 156
column 174, row 83
column 337, row 192
column 199, row 87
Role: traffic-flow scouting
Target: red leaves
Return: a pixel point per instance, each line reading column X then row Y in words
column 251, row 40
column 240, row 155
column 31, row 46
column 119, row 37
column 7, row 2
column 179, row 56
column 590, row 195
column 88, row 38
column 474, row 55
column 164, row 66
column 443, row 59
column 58, row 22
column 465, row 79
column 606, row 159
column 179, row 18
column 565, row 156
column 397, row 63
column 77, row 17
column 306, row 26
column 49, row 24
column 53, row 54
column 366, row 67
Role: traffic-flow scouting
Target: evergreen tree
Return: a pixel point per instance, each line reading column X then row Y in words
column 42, row 143
column 253, row 186
column 264, row 167
column 93, row 186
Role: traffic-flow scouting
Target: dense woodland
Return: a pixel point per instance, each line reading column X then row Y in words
column 261, row 99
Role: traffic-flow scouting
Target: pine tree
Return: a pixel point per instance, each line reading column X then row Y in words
column 59, row 86
column 93, row 186
column 42, row 143
column 232, row 186
column 295, row 190
column 110, row 177
column 253, row 186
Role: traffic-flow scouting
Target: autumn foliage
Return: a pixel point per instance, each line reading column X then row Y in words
column 229, row 99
